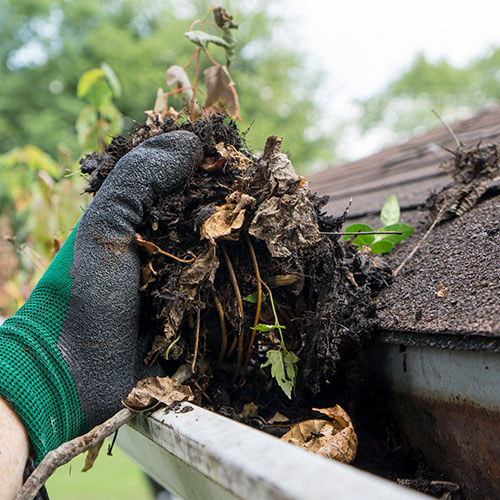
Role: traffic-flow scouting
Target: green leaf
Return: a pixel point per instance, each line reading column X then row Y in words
column 202, row 39
column 390, row 212
column 253, row 297
column 361, row 240
column 88, row 79
column 283, row 368
column 99, row 94
column 112, row 79
column 382, row 246
column 261, row 327
column 406, row 229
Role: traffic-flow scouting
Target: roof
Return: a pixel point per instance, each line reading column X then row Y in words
column 409, row 169
column 459, row 257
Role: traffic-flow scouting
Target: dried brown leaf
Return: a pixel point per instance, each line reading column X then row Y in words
column 177, row 78
column 212, row 164
column 148, row 275
column 250, row 410
column 91, row 456
column 441, row 290
column 222, row 223
column 221, row 92
column 151, row 392
column 333, row 439
column 278, row 418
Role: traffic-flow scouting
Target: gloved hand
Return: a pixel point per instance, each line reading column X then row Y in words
column 71, row 352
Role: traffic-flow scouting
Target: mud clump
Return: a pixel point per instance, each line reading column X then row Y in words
column 472, row 168
column 242, row 223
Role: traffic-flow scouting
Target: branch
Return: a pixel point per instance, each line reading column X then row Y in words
column 68, row 451
column 420, row 243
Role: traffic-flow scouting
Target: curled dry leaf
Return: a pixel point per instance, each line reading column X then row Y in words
column 333, row 438
column 221, row 92
column 148, row 275
column 91, row 456
column 151, row 392
column 441, row 291
column 223, row 224
column 177, row 78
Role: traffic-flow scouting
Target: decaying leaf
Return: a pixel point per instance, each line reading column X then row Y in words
column 151, row 392
column 287, row 220
column 201, row 271
column 250, row 410
column 234, row 157
column 177, row 78
column 212, row 164
column 148, row 275
column 286, row 223
column 91, row 456
column 335, row 438
column 278, row 418
column 223, row 224
column 221, row 92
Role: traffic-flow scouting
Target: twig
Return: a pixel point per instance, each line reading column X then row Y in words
column 361, row 233
column 457, row 140
column 220, row 311
column 419, row 244
column 259, row 304
column 196, row 76
column 68, row 451
column 197, row 340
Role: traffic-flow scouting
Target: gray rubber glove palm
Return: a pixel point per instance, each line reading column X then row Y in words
column 70, row 354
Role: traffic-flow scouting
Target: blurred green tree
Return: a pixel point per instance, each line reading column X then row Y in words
column 48, row 44
column 404, row 106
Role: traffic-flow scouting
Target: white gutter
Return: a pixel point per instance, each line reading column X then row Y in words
column 199, row 455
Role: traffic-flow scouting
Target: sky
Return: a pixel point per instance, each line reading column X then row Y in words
column 363, row 45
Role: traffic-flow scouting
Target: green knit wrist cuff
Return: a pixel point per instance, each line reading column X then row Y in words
column 34, row 377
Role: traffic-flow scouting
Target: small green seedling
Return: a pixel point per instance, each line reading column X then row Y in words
column 283, row 362
column 383, row 243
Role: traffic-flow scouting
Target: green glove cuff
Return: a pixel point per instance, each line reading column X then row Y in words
column 34, row 378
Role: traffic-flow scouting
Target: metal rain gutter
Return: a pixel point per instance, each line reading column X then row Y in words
column 199, row 455
column 447, row 403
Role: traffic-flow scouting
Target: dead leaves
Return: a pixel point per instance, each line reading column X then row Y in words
column 286, row 221
column 153, row 391
column 221, row 92
column 334, row 438
column 227, row 219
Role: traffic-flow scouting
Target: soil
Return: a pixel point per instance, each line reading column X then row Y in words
column 236, row 204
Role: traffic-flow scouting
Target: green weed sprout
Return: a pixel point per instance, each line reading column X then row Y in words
column 383, row 243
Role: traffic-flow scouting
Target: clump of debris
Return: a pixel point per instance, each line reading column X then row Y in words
column 238, row 273
column 255, row 303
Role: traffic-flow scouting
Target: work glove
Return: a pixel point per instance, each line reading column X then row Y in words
column 72, row 352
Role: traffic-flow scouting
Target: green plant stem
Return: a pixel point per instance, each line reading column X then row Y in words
column 167, row 354
column 276, row 322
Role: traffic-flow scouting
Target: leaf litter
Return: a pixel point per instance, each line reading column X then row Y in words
column 204, row 315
